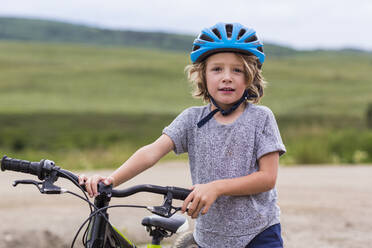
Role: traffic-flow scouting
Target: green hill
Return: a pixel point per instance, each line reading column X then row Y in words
column 53, row 31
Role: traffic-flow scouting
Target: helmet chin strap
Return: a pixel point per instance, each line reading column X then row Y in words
column 223, row 112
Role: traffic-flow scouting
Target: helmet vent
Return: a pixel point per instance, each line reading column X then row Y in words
column 206, row 38
column 216, row 32
column 260, row 49
column 229, row 29
column 241, row 33
column 251, row 39
column 194, row 48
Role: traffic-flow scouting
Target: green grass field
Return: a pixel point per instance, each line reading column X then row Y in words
column 77, row 78
column 96, row 105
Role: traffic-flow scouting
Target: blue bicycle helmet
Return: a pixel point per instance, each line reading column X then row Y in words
column 227, row 37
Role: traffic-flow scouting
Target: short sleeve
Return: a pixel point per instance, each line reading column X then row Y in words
column 268, row 137
column 177, row 131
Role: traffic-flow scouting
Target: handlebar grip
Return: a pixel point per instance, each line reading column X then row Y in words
column 180, row 193
column 24, row 166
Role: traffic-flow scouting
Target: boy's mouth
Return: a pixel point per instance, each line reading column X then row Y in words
column 226, row 89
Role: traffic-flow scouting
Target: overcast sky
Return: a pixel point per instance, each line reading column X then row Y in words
column 295, row 23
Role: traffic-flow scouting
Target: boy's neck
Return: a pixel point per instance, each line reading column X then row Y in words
column 228, row 119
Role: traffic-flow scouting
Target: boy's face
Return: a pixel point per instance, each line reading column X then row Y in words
column 225, row 78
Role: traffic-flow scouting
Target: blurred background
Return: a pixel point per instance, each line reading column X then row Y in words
column 86, row 83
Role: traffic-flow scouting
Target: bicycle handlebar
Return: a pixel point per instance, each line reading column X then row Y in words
column 33, row 168
column 44, row 167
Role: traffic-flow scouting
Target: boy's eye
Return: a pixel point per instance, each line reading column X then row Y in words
column 238, row 70
column 216, row 69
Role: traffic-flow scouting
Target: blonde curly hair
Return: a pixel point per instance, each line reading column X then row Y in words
column 196, row 74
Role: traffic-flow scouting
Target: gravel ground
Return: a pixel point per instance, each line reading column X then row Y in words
column 322, row 206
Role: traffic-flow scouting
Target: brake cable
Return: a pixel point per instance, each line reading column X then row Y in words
column 81, row 188
column 98, row 211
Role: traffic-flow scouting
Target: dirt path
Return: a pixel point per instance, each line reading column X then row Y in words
column 326, row 207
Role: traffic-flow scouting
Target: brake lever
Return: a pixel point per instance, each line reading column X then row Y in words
column 28, row 181
column 47, row 186
column 166, row 209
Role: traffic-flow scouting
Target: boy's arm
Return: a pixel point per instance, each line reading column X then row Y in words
column 141, row 160
column 261, row 181
column 264, row 179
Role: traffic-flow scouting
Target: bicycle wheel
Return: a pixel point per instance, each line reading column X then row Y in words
column 185, row 240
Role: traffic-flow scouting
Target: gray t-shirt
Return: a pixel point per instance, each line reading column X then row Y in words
column 219, row 151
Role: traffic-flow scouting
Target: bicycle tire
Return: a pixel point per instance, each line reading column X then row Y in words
column 186, row 240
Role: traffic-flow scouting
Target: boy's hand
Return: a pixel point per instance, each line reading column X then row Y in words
column 92, row 182
column 200, row 199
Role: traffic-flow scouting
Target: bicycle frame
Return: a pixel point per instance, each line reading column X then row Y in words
column 101, row 233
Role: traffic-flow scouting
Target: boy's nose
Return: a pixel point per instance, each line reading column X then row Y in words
column 227, row 76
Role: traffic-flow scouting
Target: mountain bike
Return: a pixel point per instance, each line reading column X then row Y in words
column 99, row 232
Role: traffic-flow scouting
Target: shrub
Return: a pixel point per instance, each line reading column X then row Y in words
column 308, row 150
column 369, row 115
